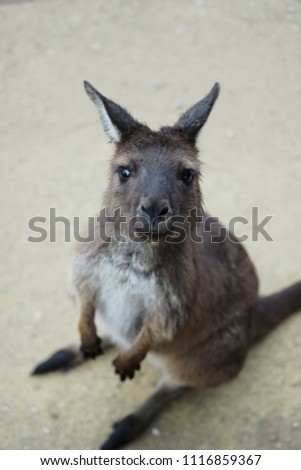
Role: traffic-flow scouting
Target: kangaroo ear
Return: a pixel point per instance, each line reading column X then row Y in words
column 192, row 121
column 116, row 121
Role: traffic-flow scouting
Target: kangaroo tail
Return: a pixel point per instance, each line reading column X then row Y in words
column 63, row 360
column 275, row 308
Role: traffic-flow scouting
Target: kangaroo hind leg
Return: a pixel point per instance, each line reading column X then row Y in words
column 91, row 345
column 132, row 425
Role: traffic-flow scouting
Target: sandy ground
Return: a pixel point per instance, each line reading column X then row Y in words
column 156, row 58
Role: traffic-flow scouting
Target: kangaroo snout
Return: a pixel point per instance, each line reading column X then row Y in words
column 152, row 208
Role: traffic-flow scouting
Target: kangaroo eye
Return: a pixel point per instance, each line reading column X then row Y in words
column 124, row 173
column 187, row 176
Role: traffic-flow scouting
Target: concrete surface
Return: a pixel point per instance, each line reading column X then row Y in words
column 156, row 58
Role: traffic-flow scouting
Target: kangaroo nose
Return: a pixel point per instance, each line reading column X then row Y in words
column 151, row 209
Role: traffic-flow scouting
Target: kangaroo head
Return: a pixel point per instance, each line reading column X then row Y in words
column 154, row 175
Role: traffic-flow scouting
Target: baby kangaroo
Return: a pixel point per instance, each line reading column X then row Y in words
column 163, row 278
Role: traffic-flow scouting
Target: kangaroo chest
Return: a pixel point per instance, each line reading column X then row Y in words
column 127, row 296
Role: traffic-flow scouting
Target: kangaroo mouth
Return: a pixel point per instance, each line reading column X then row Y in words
column 152, row 235
column 151, row 231
column 171, row 229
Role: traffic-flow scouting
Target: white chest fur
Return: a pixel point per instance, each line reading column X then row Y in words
column 127, row 296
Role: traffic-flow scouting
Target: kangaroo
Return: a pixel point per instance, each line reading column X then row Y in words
column 189, row 302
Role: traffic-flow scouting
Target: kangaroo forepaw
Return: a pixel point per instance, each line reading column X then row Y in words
column 92, row 350
column 124, row 369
